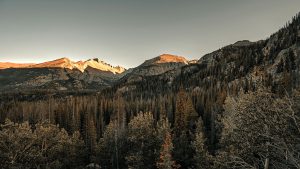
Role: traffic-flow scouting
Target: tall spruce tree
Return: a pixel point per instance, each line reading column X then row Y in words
column 143, row 142
column 201, row 156
column 165, row 159
column 185, row 116
column 112, row 146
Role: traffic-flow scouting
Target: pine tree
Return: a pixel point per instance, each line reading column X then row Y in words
column 185, row 113
column 143, row 142
column 92, row 137
column 89, row 135
column 201, row 154
column 120, row 113
column 47, row 146
column 259, row 123
column 165, row 159
column 179, row 113
column 185, row 116
column 163, row 126
column 112, row 147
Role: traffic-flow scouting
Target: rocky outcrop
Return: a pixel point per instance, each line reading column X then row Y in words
column 59, row 74
column 80, row 65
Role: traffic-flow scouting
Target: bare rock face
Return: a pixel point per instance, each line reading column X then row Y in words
column 159, row 65
column 165, row 58
column 65, row 74
column 58, row 63
column 80, row 65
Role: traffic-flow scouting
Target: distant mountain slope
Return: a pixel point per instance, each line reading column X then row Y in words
column 156, row 66
column 58, row 63
column 274, row 62
column 80, row 65
column 64, row 74
column 59, row 74
column 165, row 58
column 54, row 78
column 5, row 65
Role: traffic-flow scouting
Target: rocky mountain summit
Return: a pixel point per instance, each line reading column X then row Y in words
column 161, row 65
column 92, row 74
column 59, row 74
column 80, row 65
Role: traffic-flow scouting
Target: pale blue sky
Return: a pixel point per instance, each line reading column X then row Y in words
column 127, row 32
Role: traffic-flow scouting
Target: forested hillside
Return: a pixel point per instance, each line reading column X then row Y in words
column 237, row 107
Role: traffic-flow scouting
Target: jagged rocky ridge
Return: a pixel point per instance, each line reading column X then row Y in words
column 93, row 74
column 80, row 65
column 60, row 74
column 232, row 66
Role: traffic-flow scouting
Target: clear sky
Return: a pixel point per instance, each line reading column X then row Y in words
column 127, row 32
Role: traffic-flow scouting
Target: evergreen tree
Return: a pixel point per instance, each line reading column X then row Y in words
column 92, row 138
column 260, row 123
column 112, row 147
column 201, row 156
column 89, row 135
column 180, row 121
column 185, row 113
column 142, row 141
column 165, row 159
column 185, row 116
column 163, row 127
column 47, row 146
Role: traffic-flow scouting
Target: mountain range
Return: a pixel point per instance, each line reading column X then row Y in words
column 66, row 63
column 274, row 61
column 92, row 74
